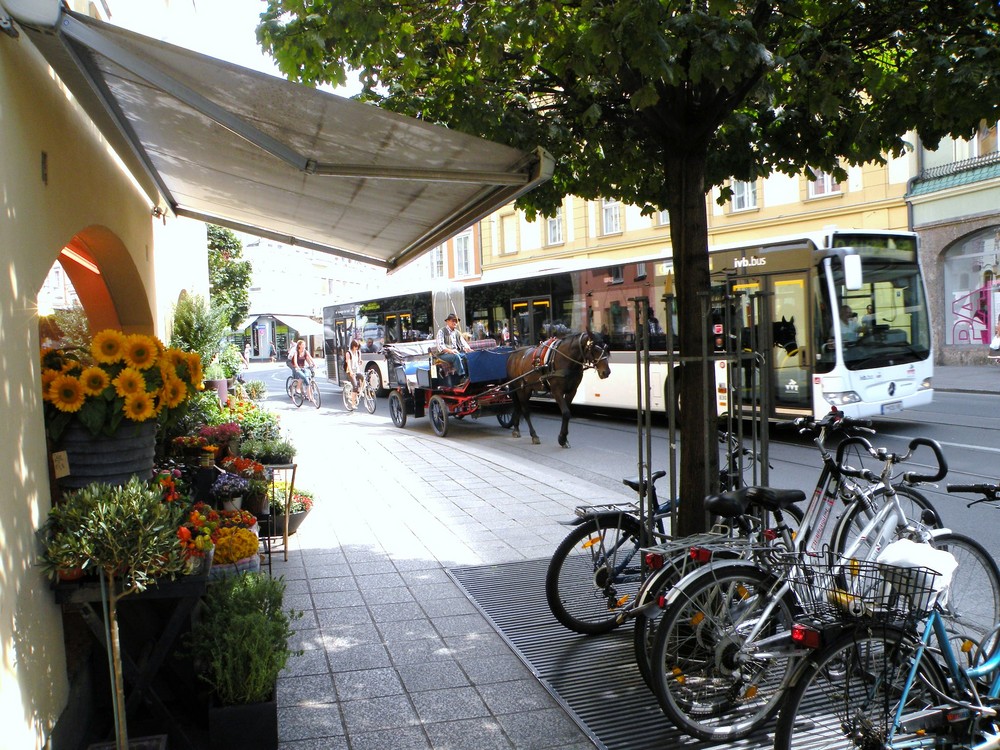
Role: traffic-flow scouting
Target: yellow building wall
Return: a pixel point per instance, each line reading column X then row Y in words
column 84, row 197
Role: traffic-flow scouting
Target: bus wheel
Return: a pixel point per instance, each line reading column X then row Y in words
column 374, row 378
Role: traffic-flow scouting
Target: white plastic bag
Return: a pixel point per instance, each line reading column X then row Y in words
column 995, row 343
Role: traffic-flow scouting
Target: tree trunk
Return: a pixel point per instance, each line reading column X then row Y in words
column 689, row 235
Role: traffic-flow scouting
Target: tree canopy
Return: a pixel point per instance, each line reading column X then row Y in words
column 228, row 274
column 654, row 102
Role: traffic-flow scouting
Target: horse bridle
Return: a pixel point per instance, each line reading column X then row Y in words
column 589, row 358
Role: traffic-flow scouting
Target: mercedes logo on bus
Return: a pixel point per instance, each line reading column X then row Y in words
column 892, row 389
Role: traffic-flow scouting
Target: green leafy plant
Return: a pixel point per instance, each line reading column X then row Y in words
column 302, row 501
column 230, row 360
column 215, row 372
column 199, row 327
column 269, row 451
column 242, row 637
column 255, row 389
column 130, row 535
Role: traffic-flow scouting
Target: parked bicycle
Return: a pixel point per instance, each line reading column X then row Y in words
column 896, row 685
column 366, row 395
column 596, row 571
column 299, row 393
column 722, row 653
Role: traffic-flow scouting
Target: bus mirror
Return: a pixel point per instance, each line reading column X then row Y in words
column 852, row 272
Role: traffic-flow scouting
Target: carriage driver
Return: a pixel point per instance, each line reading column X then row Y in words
column 450, row 344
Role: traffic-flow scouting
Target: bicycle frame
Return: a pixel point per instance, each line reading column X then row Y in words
column 964, row 678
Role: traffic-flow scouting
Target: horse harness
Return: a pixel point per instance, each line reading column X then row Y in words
column 544, row 355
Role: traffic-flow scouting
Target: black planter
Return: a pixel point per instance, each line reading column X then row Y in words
column 275, row 525
column 253, row 726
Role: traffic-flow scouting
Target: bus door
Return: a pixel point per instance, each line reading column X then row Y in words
column 789, row 339
column 343, row 330
column 532, row 318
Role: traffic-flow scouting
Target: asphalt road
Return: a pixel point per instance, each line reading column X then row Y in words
column 605, row 448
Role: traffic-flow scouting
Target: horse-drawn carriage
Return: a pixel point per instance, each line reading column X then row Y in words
column 422, row 385
column 500, row 381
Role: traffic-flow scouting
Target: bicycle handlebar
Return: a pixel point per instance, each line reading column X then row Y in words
column 833, row 419
column 911, row 477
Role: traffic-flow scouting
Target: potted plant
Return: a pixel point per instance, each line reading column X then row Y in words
column 215, row 379
column 128, row 534
column 231, row 361
column 299, row 505
column 104, row 403
column 229, row 489
column 241, row 644
column 270, row 451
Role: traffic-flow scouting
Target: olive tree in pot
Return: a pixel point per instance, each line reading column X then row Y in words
column 241, row 644
column 129, row 535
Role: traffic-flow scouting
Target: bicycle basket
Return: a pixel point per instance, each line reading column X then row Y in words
column 832, row 588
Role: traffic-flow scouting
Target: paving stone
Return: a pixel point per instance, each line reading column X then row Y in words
column 368, row 683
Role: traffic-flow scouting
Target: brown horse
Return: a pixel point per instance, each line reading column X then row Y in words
column 556, row 365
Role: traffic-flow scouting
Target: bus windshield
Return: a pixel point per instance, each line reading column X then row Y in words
column 883, row 323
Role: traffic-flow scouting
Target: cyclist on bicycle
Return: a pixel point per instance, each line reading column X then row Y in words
column 353, row 368
column 299, row 359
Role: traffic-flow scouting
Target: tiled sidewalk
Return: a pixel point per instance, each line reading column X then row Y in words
column 395, row 656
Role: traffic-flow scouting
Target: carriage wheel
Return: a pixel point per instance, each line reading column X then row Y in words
column 437, row 412
column 506, row 417
column 397, row 409
column 373, row 376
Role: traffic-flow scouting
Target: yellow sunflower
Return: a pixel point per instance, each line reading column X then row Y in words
column 173, row 393
column 173, row 358
column 129, row 382
column 140, row 351
column 139, row 407
column 194, row 367
column 70, row 366
column 47, row 377
column 94, row 381
column 66, row 393
column 107, row 346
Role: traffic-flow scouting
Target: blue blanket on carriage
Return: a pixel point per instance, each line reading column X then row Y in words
column 488, row 365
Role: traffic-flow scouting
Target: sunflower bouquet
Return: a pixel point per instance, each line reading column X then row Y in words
column 132, row 378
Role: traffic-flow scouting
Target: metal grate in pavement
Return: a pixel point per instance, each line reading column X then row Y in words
column 593, row 677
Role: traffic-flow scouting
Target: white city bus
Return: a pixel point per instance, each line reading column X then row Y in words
column 876, row 360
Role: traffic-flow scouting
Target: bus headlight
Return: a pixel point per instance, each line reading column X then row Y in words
column 841, row 398
column 925, row 384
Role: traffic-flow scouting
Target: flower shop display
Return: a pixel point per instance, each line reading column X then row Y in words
column 229, row 489
column 299, row 505
column 247, row 632
column 235, row 551
column 103, row 405
column 224, row 434
column 256, row 498
column 271, row 451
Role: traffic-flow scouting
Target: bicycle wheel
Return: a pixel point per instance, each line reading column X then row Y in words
column 846, row 694
column 594, row 572
column 858, row 514
column 289, row 382
column 705, row 674
column 647, row 622
column 368, row 395
column 298, row 396
column 317, row 398
column 973, row 607
column 348, row 395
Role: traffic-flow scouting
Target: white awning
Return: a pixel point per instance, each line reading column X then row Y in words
column 302, row 325
column 220, row 143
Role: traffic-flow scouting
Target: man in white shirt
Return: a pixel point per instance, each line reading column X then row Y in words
column 451, row 344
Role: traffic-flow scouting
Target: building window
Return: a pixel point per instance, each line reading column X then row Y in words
column 640, row 271
column 663, row 218
column 615, row 275
column 463, row 254
column 508, row 234
column 611, row 222
column 972, row 296
column 824, row 185
column 744, row 195
column 437, row 262
column 554, row 228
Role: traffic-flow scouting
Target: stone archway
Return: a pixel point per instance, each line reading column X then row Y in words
column 107, row 282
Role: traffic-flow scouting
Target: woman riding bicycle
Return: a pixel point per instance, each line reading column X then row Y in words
column 353, row 368
column 299, row 359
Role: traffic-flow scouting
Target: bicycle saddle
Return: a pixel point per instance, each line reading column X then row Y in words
column 734, row 504
column 638, row 484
